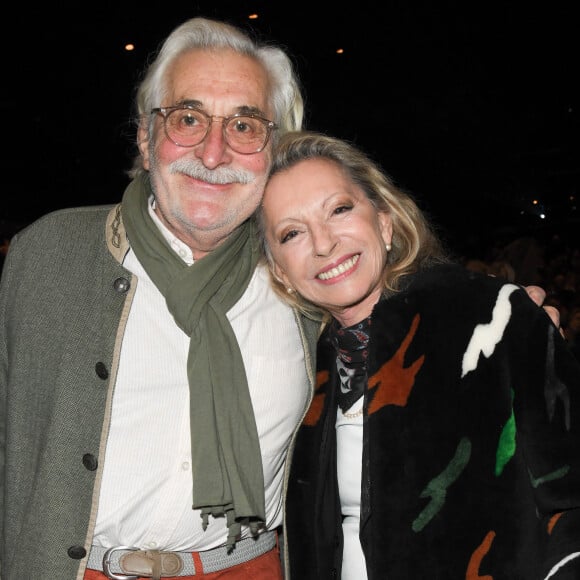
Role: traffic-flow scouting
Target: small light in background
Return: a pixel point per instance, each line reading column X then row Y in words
column 253, row 16
column 340, row 51
column 129, row 47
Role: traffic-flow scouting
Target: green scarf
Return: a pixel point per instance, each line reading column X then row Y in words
column 226, row 461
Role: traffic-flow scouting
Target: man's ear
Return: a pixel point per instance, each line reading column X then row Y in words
column 143, row 142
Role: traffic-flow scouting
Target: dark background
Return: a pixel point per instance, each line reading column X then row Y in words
column 472, row 107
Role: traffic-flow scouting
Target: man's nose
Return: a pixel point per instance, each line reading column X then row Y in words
column 214, row 145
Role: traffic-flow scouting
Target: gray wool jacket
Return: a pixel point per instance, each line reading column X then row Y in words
column 64, row 303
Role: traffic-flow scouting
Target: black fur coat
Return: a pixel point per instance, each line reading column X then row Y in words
column 471, row 462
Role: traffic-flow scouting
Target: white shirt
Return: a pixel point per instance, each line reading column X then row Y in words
column 146, row 492
column 349, row 441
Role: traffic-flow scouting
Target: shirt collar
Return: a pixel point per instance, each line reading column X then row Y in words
column 180, row 248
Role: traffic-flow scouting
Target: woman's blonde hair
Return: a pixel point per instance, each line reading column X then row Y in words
column 415, row 243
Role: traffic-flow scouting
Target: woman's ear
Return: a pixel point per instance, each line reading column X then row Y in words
column 386, row 224
column 281, row 277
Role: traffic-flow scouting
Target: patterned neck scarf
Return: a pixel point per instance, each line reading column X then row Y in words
column 351, row 346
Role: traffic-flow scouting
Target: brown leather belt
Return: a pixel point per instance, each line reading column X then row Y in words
column 127, row 563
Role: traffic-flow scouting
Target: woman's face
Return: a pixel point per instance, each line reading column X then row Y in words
column 326, row 238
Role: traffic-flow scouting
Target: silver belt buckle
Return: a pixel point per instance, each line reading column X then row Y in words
column 107, row 564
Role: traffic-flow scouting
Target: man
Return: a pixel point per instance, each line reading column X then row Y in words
column 111, row 341
column 151, row 382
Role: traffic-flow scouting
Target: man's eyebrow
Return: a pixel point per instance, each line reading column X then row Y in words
column 189, row 103
column 241, row 110
column 247, row 110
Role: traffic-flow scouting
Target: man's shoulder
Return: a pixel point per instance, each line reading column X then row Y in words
column 76, row 222
column 73, row 217
column 62, row 232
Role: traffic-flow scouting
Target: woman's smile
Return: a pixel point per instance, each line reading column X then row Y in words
column 343, row 268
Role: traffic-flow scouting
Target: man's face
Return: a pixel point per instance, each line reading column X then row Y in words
column 199, row 209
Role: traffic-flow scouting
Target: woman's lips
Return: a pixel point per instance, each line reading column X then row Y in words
column 340, row 269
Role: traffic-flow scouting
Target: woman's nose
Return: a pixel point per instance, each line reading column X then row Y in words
column 324, row 241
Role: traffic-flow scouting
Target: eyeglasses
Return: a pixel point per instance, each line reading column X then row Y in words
column 188, row 126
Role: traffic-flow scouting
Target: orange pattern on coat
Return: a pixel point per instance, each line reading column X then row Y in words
column 317, row 404
column 476, row 558
column 393, row 383
column 553, row 521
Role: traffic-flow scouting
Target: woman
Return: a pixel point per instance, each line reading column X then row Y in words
column 443, row 441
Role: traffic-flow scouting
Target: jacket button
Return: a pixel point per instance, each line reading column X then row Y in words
column 76, row 552
column 333, row 573
column 90, row 462
column 121, row 285
column 101, row 370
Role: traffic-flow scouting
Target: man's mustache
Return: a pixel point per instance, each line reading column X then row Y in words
column 219, row 175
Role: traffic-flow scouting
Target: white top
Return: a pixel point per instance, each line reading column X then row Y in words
column 146, row 492
column 349, row 440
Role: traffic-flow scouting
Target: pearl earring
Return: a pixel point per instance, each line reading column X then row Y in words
column 388, row 246
column 289, row 290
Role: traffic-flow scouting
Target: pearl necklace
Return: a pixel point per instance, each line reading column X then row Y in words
column 353, row 415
